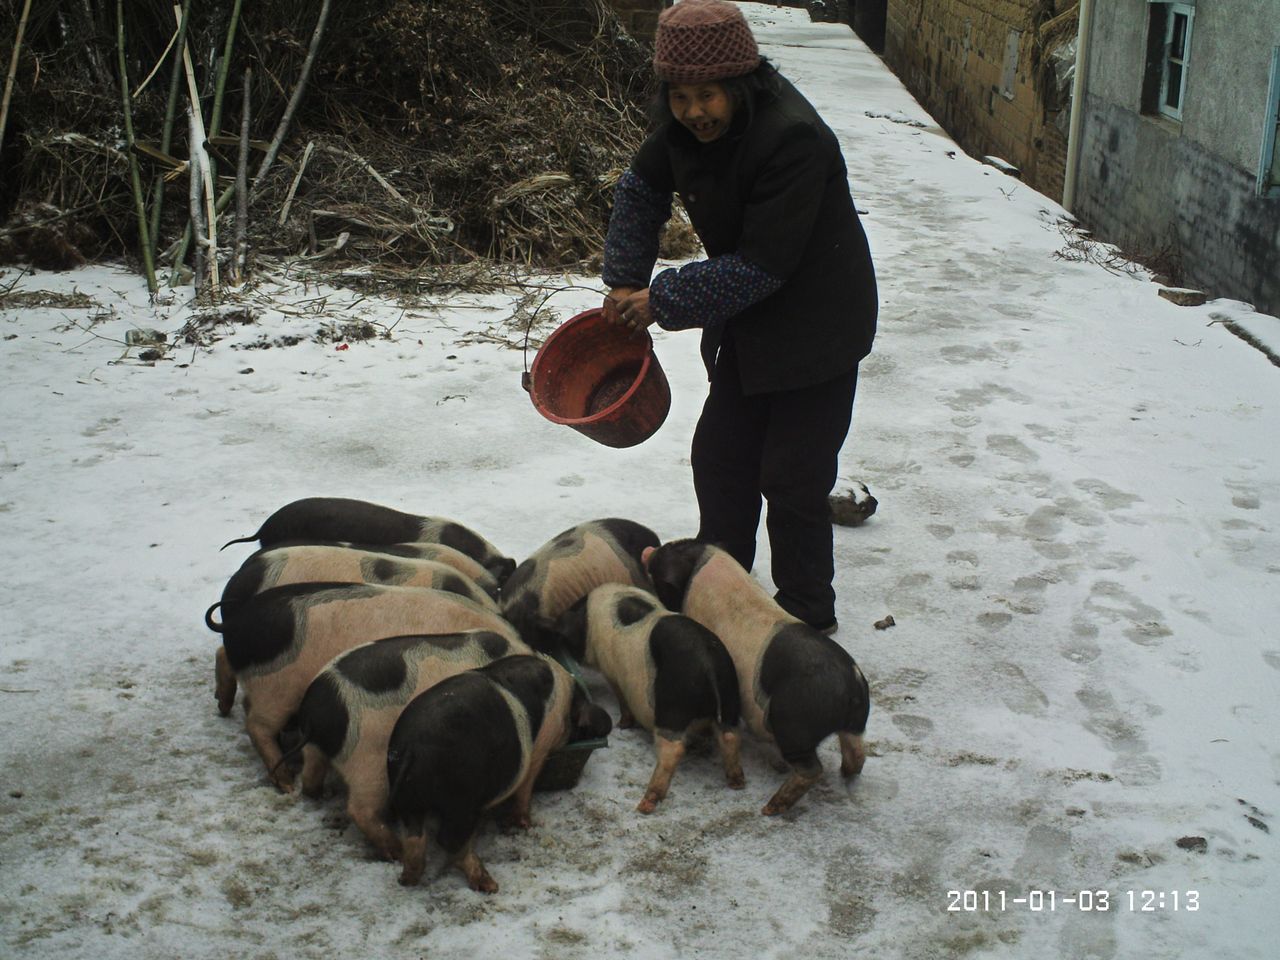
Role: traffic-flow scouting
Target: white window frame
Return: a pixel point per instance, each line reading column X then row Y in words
column 1173, row 11
column 1269, row 162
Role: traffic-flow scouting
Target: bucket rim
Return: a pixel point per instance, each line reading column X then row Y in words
column 587, row 315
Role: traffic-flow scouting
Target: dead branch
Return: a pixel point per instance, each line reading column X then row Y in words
column 295, row 99
column 293, row 187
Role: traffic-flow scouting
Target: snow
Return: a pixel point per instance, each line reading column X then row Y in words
column 1076, row 537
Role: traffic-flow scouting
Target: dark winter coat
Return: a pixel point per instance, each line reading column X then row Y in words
column 774, row 189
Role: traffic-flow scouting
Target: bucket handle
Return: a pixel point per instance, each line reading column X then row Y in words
column 525, row 380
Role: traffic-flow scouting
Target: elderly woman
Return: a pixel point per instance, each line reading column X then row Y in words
column 786, row 299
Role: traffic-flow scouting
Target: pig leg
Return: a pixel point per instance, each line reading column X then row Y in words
column 263, row 736
column 478, row 878
column 517, row 812
column 626, row 720
column 731, row 755
column 314, row 767
column 669, row 754
column 414, row 856
column 366, row 812
column 803, row 776
column 224, row 682
column 852, row 753
column 457, row 835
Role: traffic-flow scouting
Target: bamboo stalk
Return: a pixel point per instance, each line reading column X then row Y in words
column 194, row 192
column 240, row 262
column 13, row 70
column 295, row 99
column 144, row 239
column 276, row 141
column 166, row 133
column 215, row 114
column 215, row 117
column 196, row 149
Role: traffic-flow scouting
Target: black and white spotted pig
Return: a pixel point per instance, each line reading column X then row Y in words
column 473, row 740
column 279, row 640
column 436, row 552
column 567, row 568
column 338, row 518
column 345, row 719
column 313, row 563
column 798, row 686
column 671, row 675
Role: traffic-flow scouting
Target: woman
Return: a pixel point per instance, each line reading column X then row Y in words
column 786, row 298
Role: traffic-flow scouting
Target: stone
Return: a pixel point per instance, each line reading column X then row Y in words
column 1183, row 296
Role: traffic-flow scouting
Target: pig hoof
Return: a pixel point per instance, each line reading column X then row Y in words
column 484, row 884
column 284, row 786
column 738, row 782
column 518, row 822
column 410, row 878
column 626, row 723
column 772, row 809
column 647, row 805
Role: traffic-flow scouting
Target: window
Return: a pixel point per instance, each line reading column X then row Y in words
column 1176, row 51
column 1269, row 166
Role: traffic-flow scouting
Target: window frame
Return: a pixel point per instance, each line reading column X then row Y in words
column 1172, row 12
column 1269, row 160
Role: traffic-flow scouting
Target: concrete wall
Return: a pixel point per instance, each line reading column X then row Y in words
column 953, row 56
column 1186, row 191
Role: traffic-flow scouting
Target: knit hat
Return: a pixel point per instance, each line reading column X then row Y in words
column 702, row 40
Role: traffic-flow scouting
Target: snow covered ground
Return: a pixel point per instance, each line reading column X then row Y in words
column 1079, row 489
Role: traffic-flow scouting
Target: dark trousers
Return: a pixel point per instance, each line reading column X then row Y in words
column 783, row 447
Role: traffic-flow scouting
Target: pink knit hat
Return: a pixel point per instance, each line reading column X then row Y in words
column 702, row 40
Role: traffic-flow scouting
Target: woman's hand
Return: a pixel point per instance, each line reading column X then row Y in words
column 634, row 311
column 613, row 300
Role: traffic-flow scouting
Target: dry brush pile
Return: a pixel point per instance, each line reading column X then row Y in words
column 408, row 134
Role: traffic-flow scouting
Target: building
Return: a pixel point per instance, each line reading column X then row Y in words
column 1178, row 153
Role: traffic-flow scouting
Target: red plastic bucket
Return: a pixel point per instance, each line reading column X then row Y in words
column 601, row 379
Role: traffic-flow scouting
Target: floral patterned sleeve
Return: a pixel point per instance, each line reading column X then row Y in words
column 706, row 293
column 631, row 245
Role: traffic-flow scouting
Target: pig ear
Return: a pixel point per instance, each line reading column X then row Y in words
column 645, row 554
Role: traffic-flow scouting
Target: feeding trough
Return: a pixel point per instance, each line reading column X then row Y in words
column 563, row 768
column 601, row 379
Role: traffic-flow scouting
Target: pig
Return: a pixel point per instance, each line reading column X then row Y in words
column 471, row 742
column 797, row 685
column 565, row 569
column 349, row 709
column 313, row 563
column 339, row 518
column 414, row 550
column 276, row 643
column 671, row 675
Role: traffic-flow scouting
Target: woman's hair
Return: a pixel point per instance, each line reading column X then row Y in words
column 758, row 86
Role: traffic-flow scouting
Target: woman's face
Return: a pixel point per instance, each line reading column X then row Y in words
column 705, row 109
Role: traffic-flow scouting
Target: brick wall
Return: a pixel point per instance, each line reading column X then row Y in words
column 953, row 55
column 640, row 17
